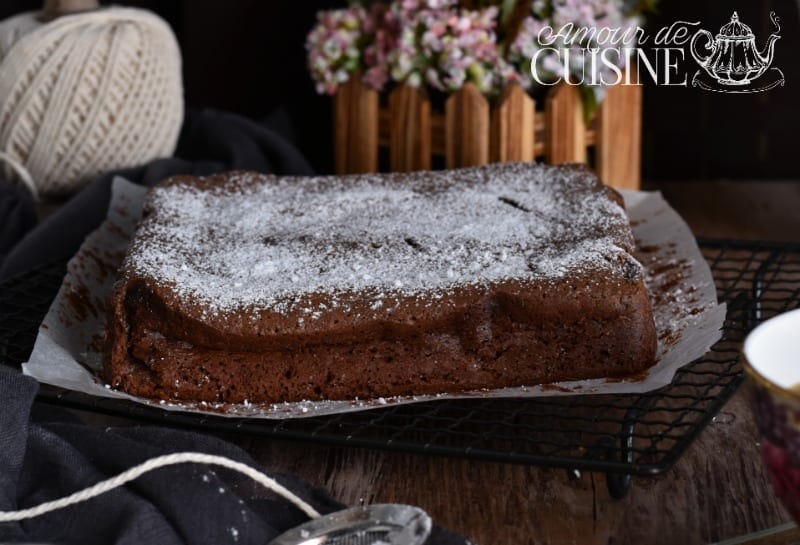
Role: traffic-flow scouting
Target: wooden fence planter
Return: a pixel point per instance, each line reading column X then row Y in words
column 511, row 135
column 355, row 127
column 566, row 129
column 466, row 132
column 619, row 137
column 409, row 129
column 471, row 132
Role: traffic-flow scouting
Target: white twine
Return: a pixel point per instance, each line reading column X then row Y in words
column 87, row 93
column 149, row 465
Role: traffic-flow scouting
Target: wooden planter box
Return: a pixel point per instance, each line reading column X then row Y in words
column 471, row 132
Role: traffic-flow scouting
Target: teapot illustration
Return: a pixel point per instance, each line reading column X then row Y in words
column 733, row 58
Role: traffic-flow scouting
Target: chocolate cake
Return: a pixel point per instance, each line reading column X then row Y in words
column 249, row 287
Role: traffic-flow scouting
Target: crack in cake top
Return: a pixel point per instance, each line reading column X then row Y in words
column 245, row 240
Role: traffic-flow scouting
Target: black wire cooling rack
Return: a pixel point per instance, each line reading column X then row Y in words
column 622, row 435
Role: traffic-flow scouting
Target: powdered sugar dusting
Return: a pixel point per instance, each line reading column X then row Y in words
column 264, row 242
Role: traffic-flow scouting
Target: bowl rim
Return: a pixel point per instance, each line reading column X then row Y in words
column 766, row 383
column 752, row 372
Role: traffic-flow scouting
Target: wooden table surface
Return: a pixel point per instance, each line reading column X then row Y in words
column 716, row 491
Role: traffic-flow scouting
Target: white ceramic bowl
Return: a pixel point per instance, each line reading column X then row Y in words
column 771, row 357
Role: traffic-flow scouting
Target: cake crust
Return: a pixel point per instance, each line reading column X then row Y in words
column 244, row 286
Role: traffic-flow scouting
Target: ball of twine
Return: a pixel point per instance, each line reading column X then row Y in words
column 86, row 93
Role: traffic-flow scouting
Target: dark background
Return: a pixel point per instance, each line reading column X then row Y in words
column 248, row 56
column 695, row 134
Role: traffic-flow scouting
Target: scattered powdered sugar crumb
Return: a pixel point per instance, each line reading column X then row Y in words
column 234, row 533
column 266, row 242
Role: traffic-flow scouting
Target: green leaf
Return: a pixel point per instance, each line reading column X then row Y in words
column 590, row 103
column 507, row 10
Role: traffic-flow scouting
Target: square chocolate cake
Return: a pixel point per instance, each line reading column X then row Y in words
column 245, row 286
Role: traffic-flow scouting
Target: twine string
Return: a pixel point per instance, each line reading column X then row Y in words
column 156, row 463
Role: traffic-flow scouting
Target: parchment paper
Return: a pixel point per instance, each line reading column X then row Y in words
column 688, row 317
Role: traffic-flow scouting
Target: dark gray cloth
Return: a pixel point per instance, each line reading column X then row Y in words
column 17, row 215
column 46, row 453
column 55, row 455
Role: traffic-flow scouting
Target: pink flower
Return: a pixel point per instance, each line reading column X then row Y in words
column 434, row 42
column 447, row 47
column 348, row 40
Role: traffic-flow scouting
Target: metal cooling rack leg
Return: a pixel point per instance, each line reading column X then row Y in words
column 618, row 483
column 755, row 316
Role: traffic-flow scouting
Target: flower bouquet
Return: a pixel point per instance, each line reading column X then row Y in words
column 488, row 65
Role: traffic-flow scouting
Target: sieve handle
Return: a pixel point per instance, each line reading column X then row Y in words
column 56, row 8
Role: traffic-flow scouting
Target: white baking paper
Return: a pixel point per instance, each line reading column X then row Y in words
column 688, row 317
